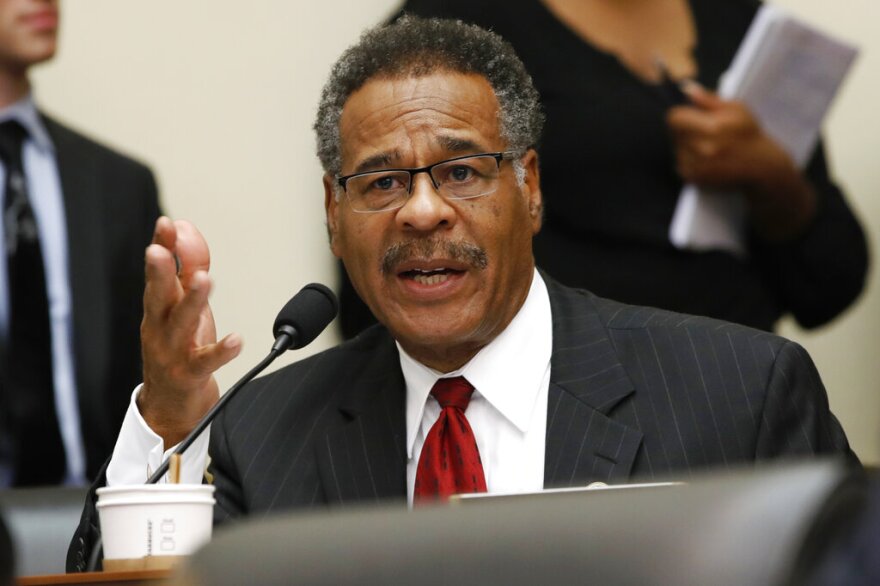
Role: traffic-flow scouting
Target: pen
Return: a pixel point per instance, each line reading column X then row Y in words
column 670, row 90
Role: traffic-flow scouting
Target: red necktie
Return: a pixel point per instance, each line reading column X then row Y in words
column 450, row 461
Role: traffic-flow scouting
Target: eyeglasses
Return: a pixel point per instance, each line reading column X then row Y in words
column 464, row 177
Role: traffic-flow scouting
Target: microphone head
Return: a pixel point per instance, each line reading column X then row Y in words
column 308, row 312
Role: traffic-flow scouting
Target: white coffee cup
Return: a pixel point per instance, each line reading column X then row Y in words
column 153, row 521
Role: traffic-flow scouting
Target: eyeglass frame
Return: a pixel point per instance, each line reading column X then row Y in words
column 413, row 171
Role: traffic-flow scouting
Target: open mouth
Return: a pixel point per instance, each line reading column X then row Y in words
column 430, row 277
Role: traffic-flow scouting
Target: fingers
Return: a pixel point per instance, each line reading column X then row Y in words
column 700, row 116
column 715, row 140
column 207, row 359
column 184, row 325
column 178, row 328
column 164, row 234
column 178, row 251
column 178, row 336
column 162, row 288
column 192, row 327
column 700, row 96
column 725, row 119
column 688, row 122
column 707, row 172
column 180, row 350
column 184, row 241
column 159, row 264
column 192, row 250
column 184, row 316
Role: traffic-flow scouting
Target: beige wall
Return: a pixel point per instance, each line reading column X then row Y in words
column 218, row 96
column 846, row 352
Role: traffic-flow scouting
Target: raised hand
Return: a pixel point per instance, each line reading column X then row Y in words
column 179, row 339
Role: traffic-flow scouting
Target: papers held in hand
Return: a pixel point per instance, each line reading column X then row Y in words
column 787, row 73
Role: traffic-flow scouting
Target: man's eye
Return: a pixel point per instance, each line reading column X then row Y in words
column 460, row 173
column 386, row 183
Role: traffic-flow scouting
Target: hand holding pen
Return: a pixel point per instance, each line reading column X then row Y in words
column 670, row 89
column 720, row 145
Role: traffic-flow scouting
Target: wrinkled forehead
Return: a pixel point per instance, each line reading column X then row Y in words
column 418, row 117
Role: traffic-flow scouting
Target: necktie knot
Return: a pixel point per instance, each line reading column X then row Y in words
column 12, row 136
column 453, row 392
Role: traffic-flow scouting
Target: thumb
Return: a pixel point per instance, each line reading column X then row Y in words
column 700, row 96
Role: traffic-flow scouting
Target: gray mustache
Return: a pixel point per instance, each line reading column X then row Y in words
column 428, row 248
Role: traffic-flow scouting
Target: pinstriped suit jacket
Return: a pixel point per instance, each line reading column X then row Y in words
column 634, row 393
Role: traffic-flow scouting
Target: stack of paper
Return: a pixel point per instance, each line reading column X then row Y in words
column 787, row 73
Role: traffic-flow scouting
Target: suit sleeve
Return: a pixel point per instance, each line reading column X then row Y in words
column 88, row 531
column 796, row 420
column 222, row 470
column 822, row 272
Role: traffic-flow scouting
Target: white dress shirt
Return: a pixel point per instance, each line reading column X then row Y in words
column 507, row 412
column 44, row 192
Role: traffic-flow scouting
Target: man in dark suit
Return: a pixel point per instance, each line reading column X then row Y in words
column 71, row 280
column 484, row 374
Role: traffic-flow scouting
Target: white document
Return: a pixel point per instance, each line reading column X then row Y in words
column 787, row 73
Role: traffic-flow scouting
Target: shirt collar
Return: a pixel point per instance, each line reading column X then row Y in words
column 516, row 360
column 25, row 112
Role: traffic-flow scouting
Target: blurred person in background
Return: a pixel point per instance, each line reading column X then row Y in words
column 615, row 155
column 76, row 219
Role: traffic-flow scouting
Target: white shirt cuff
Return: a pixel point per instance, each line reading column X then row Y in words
column 139, row 451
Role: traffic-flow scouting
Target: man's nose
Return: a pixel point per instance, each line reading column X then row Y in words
column 426, row 209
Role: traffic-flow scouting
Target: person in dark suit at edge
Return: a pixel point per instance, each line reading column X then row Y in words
column 7, row 556
column 425, row 132
column 76, row 217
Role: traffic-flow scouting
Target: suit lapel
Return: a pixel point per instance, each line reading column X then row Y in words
column 585, row 444
column 364, row 458
column 87, row 265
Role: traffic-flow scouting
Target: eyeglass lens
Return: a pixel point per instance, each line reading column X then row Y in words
column 459, row 179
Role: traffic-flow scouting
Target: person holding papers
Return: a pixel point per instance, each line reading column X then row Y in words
column 617, row 150
column 485, row 374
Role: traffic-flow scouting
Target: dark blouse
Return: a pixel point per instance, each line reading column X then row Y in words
column 610, row 186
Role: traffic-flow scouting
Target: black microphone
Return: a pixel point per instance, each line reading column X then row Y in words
column 298, row 323
column 304, row 317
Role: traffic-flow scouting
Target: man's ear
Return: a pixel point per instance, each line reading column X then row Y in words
column 532, row 189
column 331, row 209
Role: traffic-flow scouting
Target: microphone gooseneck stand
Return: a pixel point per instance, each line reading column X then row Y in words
column 298, row 323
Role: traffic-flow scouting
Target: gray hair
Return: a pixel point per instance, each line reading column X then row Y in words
column 416, row 47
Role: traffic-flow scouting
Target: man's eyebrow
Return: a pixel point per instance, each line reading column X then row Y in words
column 379, row 161
column 458, row 145
column 385, row 160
